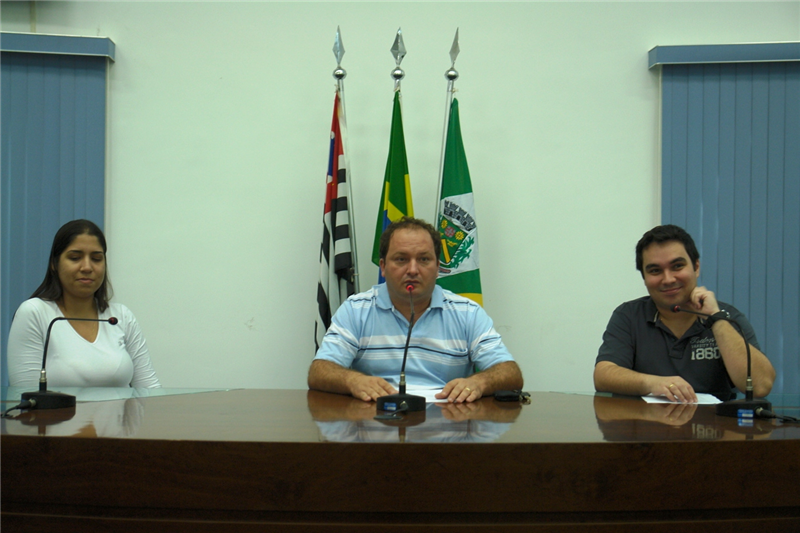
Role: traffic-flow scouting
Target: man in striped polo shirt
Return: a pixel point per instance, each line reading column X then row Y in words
column 453, row 342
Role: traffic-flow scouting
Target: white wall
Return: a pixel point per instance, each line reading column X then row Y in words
column 218, row 138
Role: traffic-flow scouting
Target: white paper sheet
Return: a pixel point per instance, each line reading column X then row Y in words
column 702, row 399
column 429, row 394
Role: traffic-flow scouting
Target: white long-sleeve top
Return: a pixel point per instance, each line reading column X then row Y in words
column 118, row 357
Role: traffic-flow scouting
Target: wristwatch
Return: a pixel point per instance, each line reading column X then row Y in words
column 721, row 315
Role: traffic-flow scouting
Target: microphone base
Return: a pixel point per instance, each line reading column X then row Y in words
column 49, row 399
column 742, row 408
column 405, row 402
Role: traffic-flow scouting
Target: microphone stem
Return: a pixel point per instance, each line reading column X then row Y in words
column 748, row 392
column 43, row 377
column 405, row 354
column 408, row 340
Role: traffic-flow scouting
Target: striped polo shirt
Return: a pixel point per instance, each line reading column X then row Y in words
column 451, row 339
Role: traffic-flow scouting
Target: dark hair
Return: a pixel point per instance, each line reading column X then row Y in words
column 51, row 288
column 409, row 223
column 660, row 234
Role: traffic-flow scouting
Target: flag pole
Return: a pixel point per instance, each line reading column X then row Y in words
column 339, row 74
column 459, row 263
column 396, row 189
column 451, row 75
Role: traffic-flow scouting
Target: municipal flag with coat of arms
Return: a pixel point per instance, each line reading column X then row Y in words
column 459, row 269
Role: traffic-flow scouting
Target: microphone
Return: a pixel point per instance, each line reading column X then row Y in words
column 403, row 402
column 43, row 398
column 749, row 407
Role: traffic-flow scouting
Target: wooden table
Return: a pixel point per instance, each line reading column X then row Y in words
column 288, row 460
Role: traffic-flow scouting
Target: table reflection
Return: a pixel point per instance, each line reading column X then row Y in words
column 100, row 412
column 120, row 418
column 625, row 418
column 257, row 415
column 346, row 419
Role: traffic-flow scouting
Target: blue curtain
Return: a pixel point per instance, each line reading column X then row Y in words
column 53, row 162
column 731, row 178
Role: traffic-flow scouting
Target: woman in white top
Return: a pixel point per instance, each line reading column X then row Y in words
column 79, row 354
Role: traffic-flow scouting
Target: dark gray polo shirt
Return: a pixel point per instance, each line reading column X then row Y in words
column 635, row 338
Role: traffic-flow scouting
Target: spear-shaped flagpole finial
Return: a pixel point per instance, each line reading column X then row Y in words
column 452, row 73
column 338, row 50
column 399, row 52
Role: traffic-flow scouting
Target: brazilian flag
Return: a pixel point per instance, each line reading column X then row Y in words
column 396, row 195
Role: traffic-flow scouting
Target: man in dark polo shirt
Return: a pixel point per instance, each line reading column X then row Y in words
column 649, row 349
